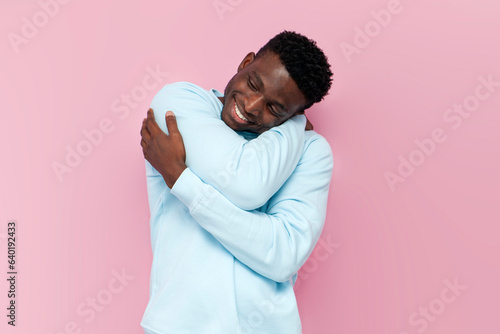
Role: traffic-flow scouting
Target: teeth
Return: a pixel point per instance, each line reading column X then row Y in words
column 240, row 115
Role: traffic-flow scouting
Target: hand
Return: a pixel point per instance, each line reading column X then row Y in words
column 166, row 153
column 309, row 125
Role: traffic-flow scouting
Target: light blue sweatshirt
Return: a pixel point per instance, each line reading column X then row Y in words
column 216, row 267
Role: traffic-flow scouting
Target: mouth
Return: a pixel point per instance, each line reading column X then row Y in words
column 238, row 115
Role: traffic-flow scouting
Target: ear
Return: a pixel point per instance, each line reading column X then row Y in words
column 249, row 58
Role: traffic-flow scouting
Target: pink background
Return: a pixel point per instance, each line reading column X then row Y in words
column 394, row 247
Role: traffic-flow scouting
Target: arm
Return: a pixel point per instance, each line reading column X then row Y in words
column 276, row 243
column 247, row 172
column 165, row 151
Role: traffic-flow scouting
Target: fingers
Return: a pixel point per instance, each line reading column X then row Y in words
column 151, row 123
column 309, row 125
column 145, row 134
column 150, row 113
column 171, row 123
column 144, row 149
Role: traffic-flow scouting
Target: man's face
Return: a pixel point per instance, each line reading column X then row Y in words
column 261, row 95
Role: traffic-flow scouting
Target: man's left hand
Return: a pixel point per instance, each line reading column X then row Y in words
column 166, row 153
column 309, row 125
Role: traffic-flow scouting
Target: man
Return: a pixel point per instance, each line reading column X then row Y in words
column 216, row 267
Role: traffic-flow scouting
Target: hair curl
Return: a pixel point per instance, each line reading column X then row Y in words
column 305, row 62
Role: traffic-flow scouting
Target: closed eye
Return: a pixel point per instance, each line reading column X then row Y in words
column 251, row 85
column 273, row 111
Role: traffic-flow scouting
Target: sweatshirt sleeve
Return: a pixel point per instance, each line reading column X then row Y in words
column 247, row 172
column 275, row 243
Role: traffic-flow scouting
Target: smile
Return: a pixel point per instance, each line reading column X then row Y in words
column 239, row 113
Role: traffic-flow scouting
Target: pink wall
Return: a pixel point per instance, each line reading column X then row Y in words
column 414, row 204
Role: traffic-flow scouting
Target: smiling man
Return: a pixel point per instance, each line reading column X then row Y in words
column 234, row 215
column 281, row 98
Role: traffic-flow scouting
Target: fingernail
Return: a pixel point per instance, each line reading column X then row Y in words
column 170, row 113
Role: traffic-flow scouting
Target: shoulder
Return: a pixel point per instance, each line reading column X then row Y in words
column 185, row 98
column 184, row 89
column 316, row 141
column 186, row 92
column 317, row 150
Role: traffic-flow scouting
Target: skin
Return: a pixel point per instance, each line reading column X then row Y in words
column 166, row 153
column 264, row 92
column 262, row 89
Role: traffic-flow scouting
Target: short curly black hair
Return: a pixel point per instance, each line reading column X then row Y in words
column 305, row 62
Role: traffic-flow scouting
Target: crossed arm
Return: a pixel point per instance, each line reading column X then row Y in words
column 275, row 243
column 247, row 172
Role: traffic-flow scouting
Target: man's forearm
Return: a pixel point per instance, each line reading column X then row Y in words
column 246, row 172
column 276, row 243
column 172, row 174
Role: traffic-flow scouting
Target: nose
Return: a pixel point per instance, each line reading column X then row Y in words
column 254, row 104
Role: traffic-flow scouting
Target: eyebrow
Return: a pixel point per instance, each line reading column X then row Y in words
column 261, row 84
